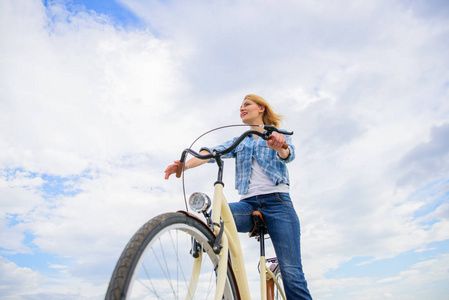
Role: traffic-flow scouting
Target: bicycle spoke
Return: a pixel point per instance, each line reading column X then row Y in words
column 178, row 265
column 165, row 270
column 153, row 290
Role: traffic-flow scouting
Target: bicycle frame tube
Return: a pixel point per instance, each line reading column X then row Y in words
column 263, row 279
column 271, row 276
column 221, row 209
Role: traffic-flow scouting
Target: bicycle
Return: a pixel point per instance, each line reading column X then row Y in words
column 178, row 255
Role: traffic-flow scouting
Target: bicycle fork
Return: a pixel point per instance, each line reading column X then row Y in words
column 226, row 242
column 220, row 270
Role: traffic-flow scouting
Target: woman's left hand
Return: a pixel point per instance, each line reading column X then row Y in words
column 276, row 141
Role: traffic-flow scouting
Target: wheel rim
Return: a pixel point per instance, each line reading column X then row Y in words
column 164, row 269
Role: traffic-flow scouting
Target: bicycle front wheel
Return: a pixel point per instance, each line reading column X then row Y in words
column 158, row 262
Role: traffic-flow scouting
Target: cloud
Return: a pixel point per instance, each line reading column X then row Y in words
column 427, row 160
column 77, row 109
column 15, row 278
column 426, row 9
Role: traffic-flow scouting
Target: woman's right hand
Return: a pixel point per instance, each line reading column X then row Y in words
column 191, row 163
column 172, row 169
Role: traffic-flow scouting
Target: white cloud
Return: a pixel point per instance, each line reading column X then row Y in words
column 84, row 92
column 427, row 160
column 15, row 278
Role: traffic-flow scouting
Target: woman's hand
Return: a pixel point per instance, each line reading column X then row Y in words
column 191, row 163
column 276, row 142
column 172, row 169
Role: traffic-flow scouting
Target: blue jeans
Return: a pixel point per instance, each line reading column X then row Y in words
column 283, row 227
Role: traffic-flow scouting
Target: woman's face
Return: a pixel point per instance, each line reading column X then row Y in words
column 251, row 112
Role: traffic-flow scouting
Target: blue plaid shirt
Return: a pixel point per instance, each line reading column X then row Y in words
column 268, row 159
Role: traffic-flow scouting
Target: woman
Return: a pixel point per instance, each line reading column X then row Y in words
column 262, row 180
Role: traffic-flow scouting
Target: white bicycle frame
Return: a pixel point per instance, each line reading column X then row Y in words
column 231, row 244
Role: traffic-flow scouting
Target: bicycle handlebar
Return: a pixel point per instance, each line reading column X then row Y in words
column 266, row 135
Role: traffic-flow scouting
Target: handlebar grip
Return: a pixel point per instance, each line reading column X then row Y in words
column 179, row 170
column 285, row 146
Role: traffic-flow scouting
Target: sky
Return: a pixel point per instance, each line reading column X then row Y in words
column 98, row 97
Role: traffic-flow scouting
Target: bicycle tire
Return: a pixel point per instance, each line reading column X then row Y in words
column 156, row 263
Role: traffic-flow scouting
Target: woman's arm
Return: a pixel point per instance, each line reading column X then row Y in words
column 191, row 163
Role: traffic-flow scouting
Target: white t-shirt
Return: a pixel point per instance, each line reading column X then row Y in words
column 260, row 184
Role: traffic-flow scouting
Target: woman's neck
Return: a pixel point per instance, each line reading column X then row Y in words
column 257, row 125
column 258, row 128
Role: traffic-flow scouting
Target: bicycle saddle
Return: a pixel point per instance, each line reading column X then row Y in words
column 259, row 224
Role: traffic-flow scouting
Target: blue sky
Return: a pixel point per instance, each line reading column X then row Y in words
column 97, row 97
column 118, row 14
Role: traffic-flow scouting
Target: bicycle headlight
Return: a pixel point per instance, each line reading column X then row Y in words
column 199, row 202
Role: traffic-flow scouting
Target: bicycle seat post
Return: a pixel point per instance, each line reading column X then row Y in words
column 259, row 232
column 262, row 243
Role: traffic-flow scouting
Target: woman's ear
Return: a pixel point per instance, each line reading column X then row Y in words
column 261, row 109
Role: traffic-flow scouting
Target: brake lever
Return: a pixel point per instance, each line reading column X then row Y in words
column 269, row 129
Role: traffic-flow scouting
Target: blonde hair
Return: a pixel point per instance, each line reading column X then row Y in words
column 269, row 116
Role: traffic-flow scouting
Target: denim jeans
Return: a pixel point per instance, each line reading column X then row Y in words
column 283, row 227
